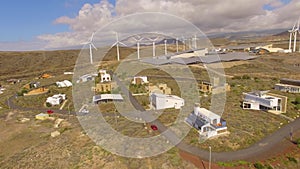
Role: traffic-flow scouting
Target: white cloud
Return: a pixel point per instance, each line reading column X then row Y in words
column 209, row 16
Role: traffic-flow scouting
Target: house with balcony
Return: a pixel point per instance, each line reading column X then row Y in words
column 263, row 100
column 207, row 123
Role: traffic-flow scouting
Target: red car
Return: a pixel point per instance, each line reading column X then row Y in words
column 154, row 127
column 50, row 111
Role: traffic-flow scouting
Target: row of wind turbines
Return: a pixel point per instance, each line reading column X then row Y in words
column 293, row 35
column 192, row 43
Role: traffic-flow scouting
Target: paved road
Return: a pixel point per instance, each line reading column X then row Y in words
column 256, row 151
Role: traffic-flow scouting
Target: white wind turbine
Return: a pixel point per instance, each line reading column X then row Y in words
column 176, row 45
column 184, row 45
column 117, row 44
column 295, row 36
column 153, row 45
column 166, row 51
column 138, row 40
column 90, row 43
column 291, row 36
column 195, row 42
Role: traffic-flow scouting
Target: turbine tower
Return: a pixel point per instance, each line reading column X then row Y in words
column 295, row 36
column 138, row 45
column 184, row 45
column 117, row 44
column 195, row 42
column 153, row 45
column 91, row 46
column 166, row 51
column 291, row 36
column 176, row 45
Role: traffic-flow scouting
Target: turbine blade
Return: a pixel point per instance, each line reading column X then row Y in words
column 114, row 44
column 92, row 37
column 94, row 46
column 122, row 43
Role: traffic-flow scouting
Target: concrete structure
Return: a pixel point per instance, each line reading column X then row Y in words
column 207, row 87
column 206, row 122
column 288, row 85
column 13, row 81
column 55, row 133
column 102, row 87
column 32, row 85
column 42, row 116
column 160, row 88
column 107, row 97
column 87, row 77
column 140, row 80
column 65, row 83
column 162, row 101
column 262, row 100
column 269, row 48
column 45, row 76
column 56, row 99
column 104, row 77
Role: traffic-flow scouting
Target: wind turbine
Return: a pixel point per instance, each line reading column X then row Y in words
column 295, row 36
column 166, row 51
column 183, row 41
column 195, row 42
column 90, row 43
column 291, row 36
column 153, row 45
column 176, row 45
column 117, row 44
column 138, row 45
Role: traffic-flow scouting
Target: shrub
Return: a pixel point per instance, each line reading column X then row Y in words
column 298, row 142
column 292, row 159
column 48, row 104
column 258, row 165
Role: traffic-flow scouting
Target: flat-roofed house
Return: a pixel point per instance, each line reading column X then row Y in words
column 206, row 122
column 107, row 97
column 162, row 101
column 288, row 85
column 263, row 100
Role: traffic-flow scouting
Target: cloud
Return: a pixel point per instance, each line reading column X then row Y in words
column 209, row 16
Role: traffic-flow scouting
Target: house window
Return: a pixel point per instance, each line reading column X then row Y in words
column 247, row 106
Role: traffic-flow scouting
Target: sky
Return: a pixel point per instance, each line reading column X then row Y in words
column 38, row 25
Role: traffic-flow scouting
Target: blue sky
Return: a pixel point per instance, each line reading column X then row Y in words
column 23, row 20
column 30, row 24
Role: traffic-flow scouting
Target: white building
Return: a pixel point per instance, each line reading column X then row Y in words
column 56, row 99
column 262, row 100
column 65, row 83
column 206, row 122
column 107, row 97
column 288, row 85
column 104, row 77
column 162, row 101
column 87, row 77
column 140, row 80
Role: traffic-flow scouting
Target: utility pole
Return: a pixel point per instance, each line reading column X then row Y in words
column 209, row 165
column 291, row 134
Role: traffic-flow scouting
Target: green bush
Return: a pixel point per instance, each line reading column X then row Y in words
column 298, row 142
column 48, row 104
column 292, row 159
column 258, row 165
column 297, row 100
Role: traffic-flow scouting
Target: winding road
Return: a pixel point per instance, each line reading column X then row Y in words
column 259, row 151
